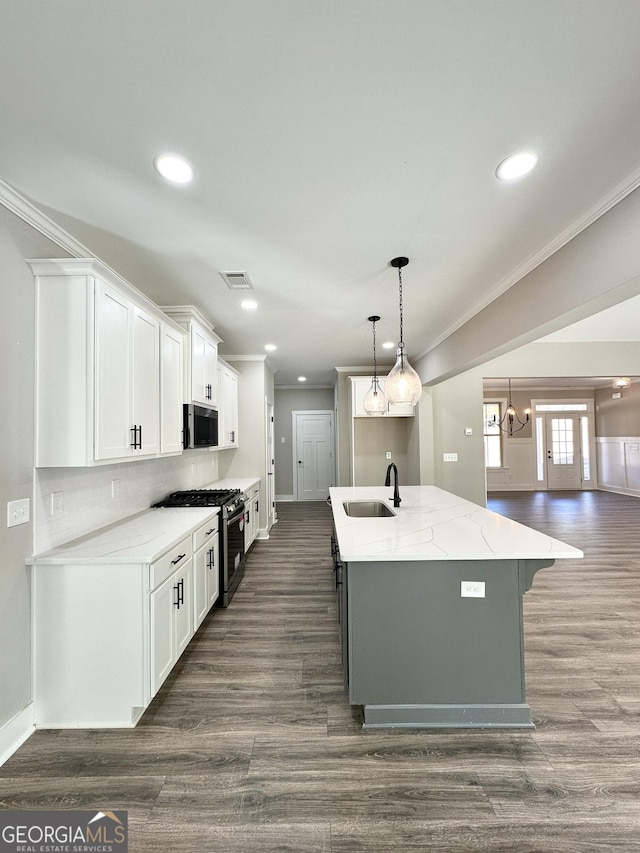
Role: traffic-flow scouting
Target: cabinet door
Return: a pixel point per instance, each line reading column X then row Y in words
column 145, row 382
column 163, row 629
column 204, row 366
column 113, row 426
column 222, row 408
column 198, row 380
column 230, row 406
column 171, row 389
column 200, row 585
column 183, row 612
column 211, row 371
column 213, row 571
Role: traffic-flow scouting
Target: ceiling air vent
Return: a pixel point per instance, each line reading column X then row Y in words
column 237, row 280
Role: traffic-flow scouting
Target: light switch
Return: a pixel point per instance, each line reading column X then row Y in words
column 449, row 457
column 282, row 441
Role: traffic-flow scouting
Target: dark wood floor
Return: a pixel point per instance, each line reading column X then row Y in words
column 251, row 746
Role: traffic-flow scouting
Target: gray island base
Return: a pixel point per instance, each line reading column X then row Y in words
column 417, row 652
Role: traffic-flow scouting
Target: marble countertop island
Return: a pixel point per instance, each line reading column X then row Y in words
column 431, row 524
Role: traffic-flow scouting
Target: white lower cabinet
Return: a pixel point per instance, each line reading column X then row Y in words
column 206, row 572
column 108, row 631
column 252, row 515
column 171, row 608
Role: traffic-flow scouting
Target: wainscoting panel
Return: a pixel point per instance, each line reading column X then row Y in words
column 517, row 473
column 619, row 464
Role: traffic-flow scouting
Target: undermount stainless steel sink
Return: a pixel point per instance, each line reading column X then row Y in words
column 367, row 509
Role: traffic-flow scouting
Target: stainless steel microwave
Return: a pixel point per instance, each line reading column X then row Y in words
column 200, row 427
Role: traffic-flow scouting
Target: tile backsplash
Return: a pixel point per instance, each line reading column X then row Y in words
column 86, row 498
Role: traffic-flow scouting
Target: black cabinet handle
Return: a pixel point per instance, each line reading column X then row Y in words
column 137, row 437
column 176, row 596
column 177, row 559
column 211, row 561
column 208, row 391
column 181, row 591
column 209, row 532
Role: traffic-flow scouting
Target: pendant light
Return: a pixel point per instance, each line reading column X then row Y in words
column 375, row 402
column 403, row 384
column 511, row 416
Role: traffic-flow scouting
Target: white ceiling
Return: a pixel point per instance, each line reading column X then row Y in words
column 327, row 138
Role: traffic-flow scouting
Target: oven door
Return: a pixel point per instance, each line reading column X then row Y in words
column 234, row 556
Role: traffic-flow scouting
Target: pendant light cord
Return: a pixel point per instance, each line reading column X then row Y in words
column 401, row 341
column 375, row 363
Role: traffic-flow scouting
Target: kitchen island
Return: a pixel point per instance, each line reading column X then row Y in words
column 430, row 606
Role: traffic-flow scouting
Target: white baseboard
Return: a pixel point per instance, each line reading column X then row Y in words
column 517, row 487
column 15, row 732
column 285, row 498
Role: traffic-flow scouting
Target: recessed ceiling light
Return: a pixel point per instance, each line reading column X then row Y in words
column 388, row 345
column 270, row 347
column 516, row 166
column 174, row 168
column 302, row 378
column 249, row 304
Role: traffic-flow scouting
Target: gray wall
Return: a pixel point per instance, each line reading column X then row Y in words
column 17, row 329
column 619, row 417
column 288, row 400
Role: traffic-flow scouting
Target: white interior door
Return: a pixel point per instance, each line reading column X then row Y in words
column 313, row 455
column 563, row 451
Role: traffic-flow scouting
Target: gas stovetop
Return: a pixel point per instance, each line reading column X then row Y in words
column 229, row 499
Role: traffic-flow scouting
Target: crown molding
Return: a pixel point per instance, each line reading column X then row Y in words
column 604, row 205
column 28, row 212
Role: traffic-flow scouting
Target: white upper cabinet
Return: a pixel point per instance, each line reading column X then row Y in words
column 228, row 405
column 359, row 387
column 97, row 367
column 171, row 388
column 201, row 370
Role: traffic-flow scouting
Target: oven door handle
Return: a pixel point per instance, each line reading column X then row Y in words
column 238, row 515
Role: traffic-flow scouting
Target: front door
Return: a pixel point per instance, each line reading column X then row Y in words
column 563, row 451
column 313, row 457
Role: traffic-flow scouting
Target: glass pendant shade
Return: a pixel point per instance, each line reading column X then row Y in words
column 403, row 384
column 375, row 402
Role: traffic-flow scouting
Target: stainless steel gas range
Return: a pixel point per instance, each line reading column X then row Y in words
column 231, row 529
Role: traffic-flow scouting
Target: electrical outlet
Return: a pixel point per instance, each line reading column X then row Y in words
column 18, row 512
column 472, row 589
column 449, row 457
column 115, row 488
column 388, row 454
column 57, row 503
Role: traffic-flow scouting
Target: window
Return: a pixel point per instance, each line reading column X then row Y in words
column 492, row 438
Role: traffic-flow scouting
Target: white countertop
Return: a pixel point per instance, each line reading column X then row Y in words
column 431, row 524
column 141, row 538
column 242, row 483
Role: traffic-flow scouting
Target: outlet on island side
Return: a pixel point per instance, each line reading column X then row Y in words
column 472, row 589
column 388, row 454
